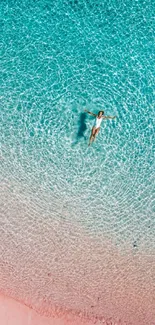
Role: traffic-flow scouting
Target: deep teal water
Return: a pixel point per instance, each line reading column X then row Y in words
column 56, row 59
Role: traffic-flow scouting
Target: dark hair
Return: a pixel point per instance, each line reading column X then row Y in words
column 100, row 112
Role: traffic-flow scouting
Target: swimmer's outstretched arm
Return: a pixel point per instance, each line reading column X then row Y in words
column 90, row 113
column 112, row 117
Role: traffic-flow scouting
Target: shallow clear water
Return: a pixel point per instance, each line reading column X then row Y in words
column 57, row 59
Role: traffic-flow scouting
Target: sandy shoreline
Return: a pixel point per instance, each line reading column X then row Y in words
column 13, row 312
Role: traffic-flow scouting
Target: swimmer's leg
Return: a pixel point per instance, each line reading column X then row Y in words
column 96, row 133
column 92, row 136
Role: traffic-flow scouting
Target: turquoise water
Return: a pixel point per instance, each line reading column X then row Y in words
column 56, row 59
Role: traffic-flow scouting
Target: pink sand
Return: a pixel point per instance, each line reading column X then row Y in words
column 15, row 313
column 67, row 274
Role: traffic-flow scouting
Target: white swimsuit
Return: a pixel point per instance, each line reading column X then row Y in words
column 97, row 122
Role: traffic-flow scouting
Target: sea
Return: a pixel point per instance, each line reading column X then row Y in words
column 78, row 222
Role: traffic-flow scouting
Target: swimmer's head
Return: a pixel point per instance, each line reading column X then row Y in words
column 100, row 113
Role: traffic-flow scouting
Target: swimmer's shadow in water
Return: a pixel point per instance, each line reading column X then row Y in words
column 82, row 128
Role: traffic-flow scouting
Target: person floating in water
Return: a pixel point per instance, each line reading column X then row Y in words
column 96, row 128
